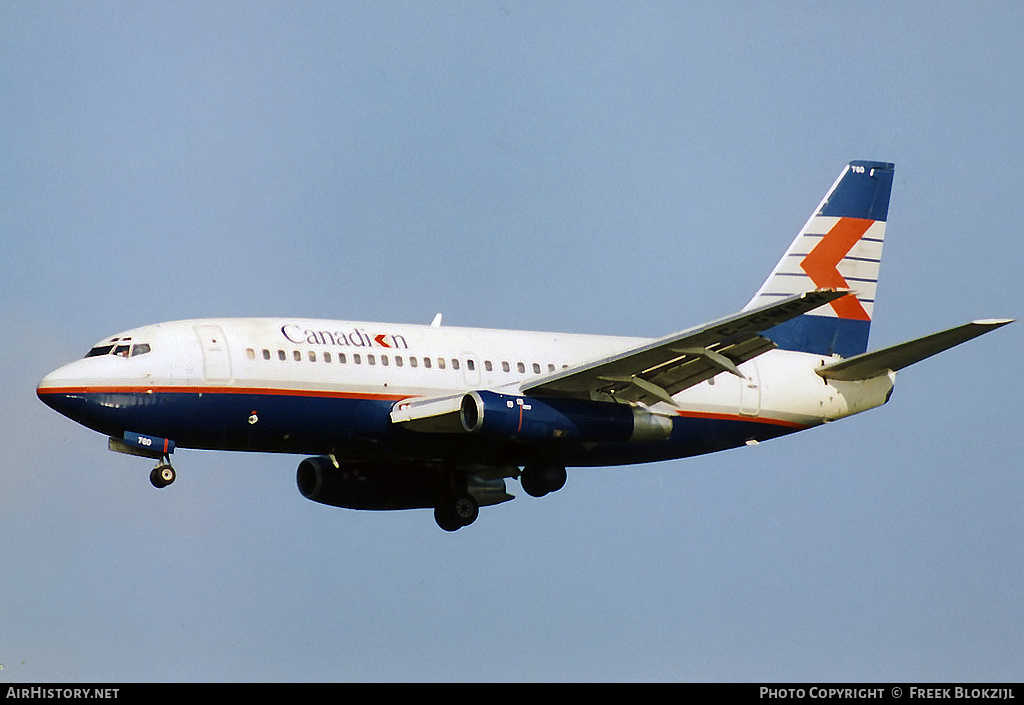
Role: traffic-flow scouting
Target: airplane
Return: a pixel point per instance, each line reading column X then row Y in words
column 398, row 416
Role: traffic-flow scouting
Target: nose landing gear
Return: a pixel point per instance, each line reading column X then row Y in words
column 162, row 475
column 153, row 447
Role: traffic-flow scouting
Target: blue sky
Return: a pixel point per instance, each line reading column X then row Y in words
column 589, row 167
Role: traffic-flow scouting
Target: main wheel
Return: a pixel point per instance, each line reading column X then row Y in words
column 162, row 476
column 538, row 480
column 532, row 483
column 445, row 520
column 465, row 509
column 457, row 511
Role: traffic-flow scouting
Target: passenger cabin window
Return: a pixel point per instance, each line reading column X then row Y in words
column 124, row 348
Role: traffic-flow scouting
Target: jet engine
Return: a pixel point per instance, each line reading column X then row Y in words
column 509, row 416
column 382, row 487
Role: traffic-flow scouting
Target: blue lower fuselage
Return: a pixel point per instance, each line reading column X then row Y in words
column 359, row 429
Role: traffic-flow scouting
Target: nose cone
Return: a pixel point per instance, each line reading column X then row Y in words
column 43, row 390
column 70, row 392
column 67, row 390
column 87, row 392
column 53, row 389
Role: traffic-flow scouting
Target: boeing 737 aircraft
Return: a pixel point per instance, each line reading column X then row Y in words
column 401, row 416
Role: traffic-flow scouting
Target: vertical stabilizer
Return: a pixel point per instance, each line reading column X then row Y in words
column 840, row 247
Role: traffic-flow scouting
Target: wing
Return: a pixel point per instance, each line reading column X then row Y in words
column 656, row 371
column 650, row 373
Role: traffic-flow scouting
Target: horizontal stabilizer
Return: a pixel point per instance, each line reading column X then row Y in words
column 873, row 364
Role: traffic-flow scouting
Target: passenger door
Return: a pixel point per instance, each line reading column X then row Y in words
column 750, row 390
column 216, row 360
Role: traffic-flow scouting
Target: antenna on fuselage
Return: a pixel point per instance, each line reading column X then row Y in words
column 436, row 323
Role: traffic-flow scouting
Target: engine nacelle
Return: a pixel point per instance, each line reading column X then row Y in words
column 510, row 416
column 367, row 486
column 381, row 487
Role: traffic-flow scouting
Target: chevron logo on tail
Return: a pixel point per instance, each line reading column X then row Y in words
column 822, row 264
column 840, row 247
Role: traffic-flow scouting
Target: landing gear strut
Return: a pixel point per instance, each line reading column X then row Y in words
column 162, row 475
column 456, row 507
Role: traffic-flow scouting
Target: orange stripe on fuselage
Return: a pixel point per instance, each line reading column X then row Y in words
column 318, row 393
column 736, row 417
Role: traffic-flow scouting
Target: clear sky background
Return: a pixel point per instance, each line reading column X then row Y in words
column 628, row 168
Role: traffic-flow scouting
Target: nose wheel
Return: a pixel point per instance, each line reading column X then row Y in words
column 162, row 475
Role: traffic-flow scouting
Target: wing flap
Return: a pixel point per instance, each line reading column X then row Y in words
column 892, row 359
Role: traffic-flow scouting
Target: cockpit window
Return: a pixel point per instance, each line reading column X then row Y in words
column 121, row 347
column 99, row 350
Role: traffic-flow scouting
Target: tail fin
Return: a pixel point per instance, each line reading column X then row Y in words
column 840, row 247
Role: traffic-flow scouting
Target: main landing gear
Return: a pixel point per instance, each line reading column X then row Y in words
column 539, row 479
column 162, row 475
column 457, row 507
column 456, row 511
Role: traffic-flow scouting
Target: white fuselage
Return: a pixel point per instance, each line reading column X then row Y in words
column 263, row 360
